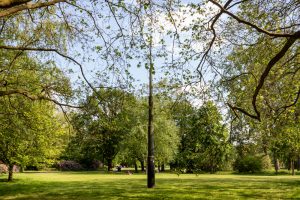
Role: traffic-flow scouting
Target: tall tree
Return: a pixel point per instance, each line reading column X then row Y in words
column 204, row 146
column 279, row 96
column 166, row 136
column 103, row 124
column 30, row 133
column 29, row 126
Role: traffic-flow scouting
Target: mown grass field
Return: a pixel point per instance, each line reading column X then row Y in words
column 97, row 185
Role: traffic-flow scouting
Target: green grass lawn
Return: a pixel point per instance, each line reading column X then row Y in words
column 96, row 185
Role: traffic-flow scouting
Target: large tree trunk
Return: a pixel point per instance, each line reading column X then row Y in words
column 109, row 164
column 10, row 172
column 142, row 166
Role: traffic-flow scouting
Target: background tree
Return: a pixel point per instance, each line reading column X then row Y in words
column 103, row 124
column 244, row 66
column 27, row 123
column 285, row 141
column 134, row 145
column 30, row 135
column 205, row 145
column 166, row 135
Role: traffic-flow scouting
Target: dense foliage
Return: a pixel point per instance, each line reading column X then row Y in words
column 231, row 96
column 204, row 144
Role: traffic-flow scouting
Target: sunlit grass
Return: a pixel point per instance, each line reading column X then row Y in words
column 97, row 185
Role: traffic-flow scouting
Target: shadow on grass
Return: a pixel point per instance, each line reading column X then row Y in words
column 265, row 173
column 3, row 180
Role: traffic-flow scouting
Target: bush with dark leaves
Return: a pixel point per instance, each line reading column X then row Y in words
column 248, row 163
column 69, row 165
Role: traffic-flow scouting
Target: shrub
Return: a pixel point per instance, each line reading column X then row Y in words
column 248, row 164
column 69, row 165
column 3, row 169
column 266, row 162
column 91, row 164
column 95, row 164
column 31, row 168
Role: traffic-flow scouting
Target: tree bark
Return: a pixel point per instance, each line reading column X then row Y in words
column 158, row 166
column 142, row 166
column 11, row 3
column 135, row 168
column 162, row 167
column 298, row 163
column 109, row 164
column 276, row 165
column 293, row 166
column 150, row 159
column 22, row 169
column 10, row 172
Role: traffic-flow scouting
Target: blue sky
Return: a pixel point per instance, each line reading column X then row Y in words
column 92, row 64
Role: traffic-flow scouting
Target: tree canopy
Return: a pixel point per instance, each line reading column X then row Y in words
column 223, row 80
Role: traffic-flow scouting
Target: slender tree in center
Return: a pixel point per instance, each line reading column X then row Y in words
column 150, row 160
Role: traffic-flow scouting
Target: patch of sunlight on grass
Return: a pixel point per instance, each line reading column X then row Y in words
column 97, row 185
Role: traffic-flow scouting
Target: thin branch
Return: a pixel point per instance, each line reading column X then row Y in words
column 65, row 114
column 233, row 108
column 65, row 18
column 237, row 76
column 116, row 20
column 294, row 102
column 16, row 48
column 239, row 2
column 2, row 26
column 91, row 16
column 286, row 27
column 202, row 61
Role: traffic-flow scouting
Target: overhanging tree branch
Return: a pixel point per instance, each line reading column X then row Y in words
column 27, row 6
column 33, row 97
column 213, row 39
column 264, row 75
column 258, row 29
column 291, row 39
column 11, row 3
column 270, row 65
column 19, row 48
column 234, row 108
column 294, row 102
